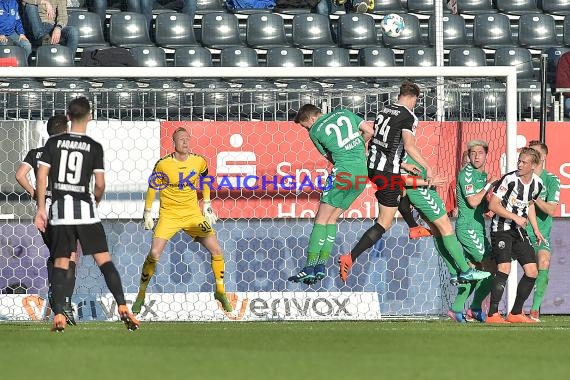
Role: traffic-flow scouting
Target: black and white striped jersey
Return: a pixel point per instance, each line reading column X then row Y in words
column 386, row 148
column 31, row 160
column 72, row 159
column 515, row 197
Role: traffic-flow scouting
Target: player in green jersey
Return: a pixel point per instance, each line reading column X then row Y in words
column 546, row 205
column 472, row 188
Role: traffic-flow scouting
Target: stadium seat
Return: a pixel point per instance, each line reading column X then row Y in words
column 331, row 57
column 376, row 56
column 284, row 57
column 492, row 31
column 13, row 56
column 556, row 7
column 410, row 36
column 220, row 30
column 259, row 100
column 467, row 56
column 265, row 30
column 149, row 56
column 209, row 103
column 90, row 28
column 425, row 6
column 566, row 39
column 312, row 31
column 383, row 7
column 173, row 30
column 299, row 93
column 454, row 31
column 529, row 99
column 473, row 7
column 54, row 56
column 517, row 7
column 356, row 31
column 489, row 99
column 209, row 6
column 518, row 57
column 238, row 56
column 419, row 56
column 119, row 99
column 68, row 89
column 537, row 31
column 554, row 54
column 192, row 57
column 165, row 99
column 26, row 100
column 351, row 95
column 129, row 29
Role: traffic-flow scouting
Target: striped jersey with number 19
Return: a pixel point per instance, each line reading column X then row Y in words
column 515, row 197
column 72, row 159
column 386, row 148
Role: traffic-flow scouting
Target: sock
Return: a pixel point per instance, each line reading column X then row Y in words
column 57, row 289
column 454, row 248
column 497, row 290
column 371, row 236
column 316, row 242
column 523, row 291
column 405, row 210
column 327, row 247
column 539, row 288
column 218, row 269
column 69, row 282
column 447, row 259
column 463, row 292
column 113, row 281
column 146, row 274
column 482, row 290
column 49, row 265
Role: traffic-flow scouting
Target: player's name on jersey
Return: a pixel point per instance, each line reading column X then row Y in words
column 68, row 187
column 75, row 145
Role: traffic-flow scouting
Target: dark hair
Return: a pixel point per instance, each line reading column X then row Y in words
column 57, row 124
column 532, row 153
column 538, row 143
column 78, row 108
column 305, row 112
column 409, row 88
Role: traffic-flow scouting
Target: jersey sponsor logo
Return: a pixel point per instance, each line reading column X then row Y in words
column 502, row 188
column 469, row 188
column 517, row 202
column 501, row 245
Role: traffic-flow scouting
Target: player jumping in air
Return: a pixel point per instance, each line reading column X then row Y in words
column 179, row 210
column 472, row 188
column 513, row 204
column 70, row 160
column 545, row 206
column 56, row 124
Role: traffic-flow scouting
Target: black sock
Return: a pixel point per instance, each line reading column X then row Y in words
column 497, row 290
column 405, row 210
column 49, row 266
column 69, row 282
column 57, row 289
column 113, row 281
column 371, row 236
column 523, row 291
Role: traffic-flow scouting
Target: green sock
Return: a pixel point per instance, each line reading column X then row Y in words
column 463, row 292
column 539, row 288
column 447, row 259
column 482, row 290
column 454, row 248
column 316, row 242
column 329, row 242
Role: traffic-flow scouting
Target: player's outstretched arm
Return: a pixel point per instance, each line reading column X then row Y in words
column 22, row 178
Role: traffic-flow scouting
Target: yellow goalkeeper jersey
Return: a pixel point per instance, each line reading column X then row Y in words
column 177, row 183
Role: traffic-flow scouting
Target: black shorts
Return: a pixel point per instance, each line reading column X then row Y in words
column 511, row 245
column 63, row 239
column 389, row 187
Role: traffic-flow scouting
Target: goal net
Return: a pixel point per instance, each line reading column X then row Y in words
column 267, row 175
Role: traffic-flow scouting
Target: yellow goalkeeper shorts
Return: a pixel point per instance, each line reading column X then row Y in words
column 194, row 225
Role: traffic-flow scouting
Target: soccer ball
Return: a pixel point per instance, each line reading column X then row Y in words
column 392, row 25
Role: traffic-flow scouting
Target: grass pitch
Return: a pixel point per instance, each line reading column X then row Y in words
column 287, row 350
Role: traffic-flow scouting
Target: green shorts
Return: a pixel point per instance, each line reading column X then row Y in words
column 343, row 186
column 474, row 242
column 543, row 246
column 427, row 202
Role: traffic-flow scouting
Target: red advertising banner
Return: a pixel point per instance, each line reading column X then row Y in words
column 272, row 169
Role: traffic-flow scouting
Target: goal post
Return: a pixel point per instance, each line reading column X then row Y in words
column 264, row 233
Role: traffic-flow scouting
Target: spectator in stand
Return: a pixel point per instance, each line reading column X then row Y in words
column 11, row 28
column 47, row 21
column 359, row 6
column 563, row 79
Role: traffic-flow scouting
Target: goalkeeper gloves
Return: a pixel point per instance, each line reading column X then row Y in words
column 148, row 222
column 209, row 214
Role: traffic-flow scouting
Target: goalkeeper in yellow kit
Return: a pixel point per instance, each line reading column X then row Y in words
column 176, row 177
